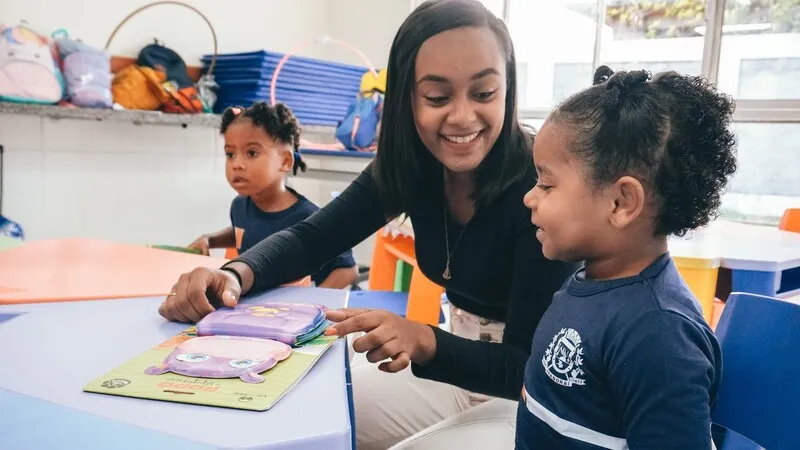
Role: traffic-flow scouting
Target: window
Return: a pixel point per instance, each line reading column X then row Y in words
column 522, row 82
column 571, row 78
column 654, row 36
column 773, row 78
column 495, row 6
column 535, row 123
column 749, row 48
column 767, row 180
column 554, row 43
column 760, row 50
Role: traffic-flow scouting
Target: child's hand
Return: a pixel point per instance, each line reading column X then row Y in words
column 389, row 336
column 201, row 244
column 191, row 298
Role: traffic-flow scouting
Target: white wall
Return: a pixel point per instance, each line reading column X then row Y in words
column 154, row 183
column 113, row 180
column 369, row 25
column 241, row 25
column 140, row 184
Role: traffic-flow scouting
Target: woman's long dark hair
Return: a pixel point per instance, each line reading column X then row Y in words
column 403, row 165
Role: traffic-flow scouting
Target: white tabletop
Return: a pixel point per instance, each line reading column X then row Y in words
column 744, row 247
column 52, row 350
column 738, row 246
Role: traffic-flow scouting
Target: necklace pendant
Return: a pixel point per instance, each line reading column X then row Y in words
column 446, row 273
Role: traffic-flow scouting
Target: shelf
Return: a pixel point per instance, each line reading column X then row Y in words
column 128, row 115
column 337, row 153
column 124, row 115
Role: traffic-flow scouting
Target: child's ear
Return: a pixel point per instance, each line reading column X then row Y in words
column 287, row 160
column 629, row 201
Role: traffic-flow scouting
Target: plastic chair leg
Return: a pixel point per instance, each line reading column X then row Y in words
column 402, row 276
column 424, row 299
column 382, row 269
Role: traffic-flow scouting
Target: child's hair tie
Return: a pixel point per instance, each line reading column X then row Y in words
column 236, row 110
column 298, row 163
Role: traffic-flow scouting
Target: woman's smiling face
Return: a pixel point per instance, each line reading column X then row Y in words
column 459, row 96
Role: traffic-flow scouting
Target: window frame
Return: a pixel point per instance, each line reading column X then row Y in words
column 747, row 110
column 758, row 111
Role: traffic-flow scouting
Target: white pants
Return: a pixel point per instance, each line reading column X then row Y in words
column 404, row 412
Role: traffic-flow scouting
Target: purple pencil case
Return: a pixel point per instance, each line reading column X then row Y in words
column 290, row 323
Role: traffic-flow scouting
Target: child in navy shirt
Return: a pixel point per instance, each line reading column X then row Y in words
column 622, row 358
column 261, row 145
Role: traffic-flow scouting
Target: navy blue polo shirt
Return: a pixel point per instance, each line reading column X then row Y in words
column 621, row 364
column 251, row 225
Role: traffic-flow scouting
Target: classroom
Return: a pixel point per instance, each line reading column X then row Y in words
column 399, row 224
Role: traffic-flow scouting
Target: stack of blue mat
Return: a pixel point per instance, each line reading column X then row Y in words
column 319, row 92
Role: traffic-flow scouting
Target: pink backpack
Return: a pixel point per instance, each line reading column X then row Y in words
column 28, row 69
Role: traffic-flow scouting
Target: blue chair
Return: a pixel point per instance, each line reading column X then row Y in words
column 760, row 391
column 725, row 439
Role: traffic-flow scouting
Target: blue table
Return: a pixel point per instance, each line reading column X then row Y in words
column 762, row 260
column 49, row 351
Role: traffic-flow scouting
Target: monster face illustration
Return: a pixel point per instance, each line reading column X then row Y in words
column 223, row 357
column 290, row 323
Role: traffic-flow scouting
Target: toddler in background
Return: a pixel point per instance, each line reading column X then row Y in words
column 261, row 144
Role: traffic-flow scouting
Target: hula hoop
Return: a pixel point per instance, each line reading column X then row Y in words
column 299, row 48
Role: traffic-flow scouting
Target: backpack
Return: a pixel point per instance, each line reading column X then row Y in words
column 182, row 92
column 29, row 72
column 8, row 228
column 136, row 87
column 370, row 82
column 11, row 229
column 87, row 72
column 359, row 128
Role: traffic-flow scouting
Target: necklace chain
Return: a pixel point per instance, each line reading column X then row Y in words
column 447, row 275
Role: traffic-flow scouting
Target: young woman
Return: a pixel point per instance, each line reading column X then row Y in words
column 453, row 156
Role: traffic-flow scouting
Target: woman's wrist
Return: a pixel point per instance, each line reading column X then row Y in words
column 426, row 345
column 244, row 272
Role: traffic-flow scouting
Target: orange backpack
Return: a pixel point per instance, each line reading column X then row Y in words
column 182, row 93
column 136, row 87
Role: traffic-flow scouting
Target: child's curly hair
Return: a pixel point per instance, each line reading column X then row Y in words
column 279, row 122
column 672, row 132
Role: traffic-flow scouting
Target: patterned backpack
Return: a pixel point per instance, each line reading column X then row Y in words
column 28, row 69
column 86, row 71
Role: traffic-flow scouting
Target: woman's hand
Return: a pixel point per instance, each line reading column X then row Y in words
column 191, row 298
column 202, row 244
column 388, row 336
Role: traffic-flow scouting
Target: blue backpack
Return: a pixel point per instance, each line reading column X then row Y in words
column 359, row 128
column 11, row 229
column 7, row 227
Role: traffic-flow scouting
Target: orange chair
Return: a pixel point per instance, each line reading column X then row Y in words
column 716, row 313
column 424, row 296
column 231, row 253
column 790, row 220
